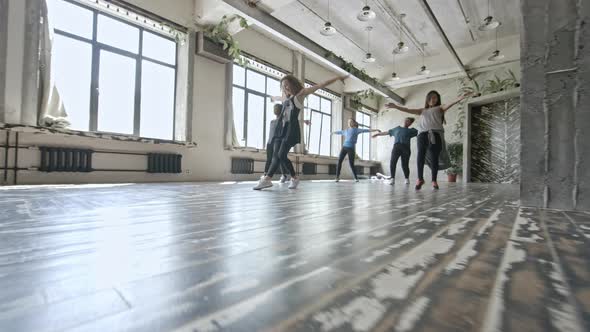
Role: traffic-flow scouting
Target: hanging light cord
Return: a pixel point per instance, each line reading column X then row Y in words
column 328, row 10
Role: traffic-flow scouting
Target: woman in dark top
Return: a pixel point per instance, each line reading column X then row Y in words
column 288, row 132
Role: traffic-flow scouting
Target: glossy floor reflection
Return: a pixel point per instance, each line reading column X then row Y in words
column 325, row 257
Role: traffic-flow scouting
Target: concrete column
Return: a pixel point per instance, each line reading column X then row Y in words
column 554, row 129
column 14, row 61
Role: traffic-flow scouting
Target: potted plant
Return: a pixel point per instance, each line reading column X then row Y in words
column 455, row 151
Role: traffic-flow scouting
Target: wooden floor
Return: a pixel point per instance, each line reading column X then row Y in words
column 325, row 257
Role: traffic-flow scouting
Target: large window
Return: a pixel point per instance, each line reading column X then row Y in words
column 364, row 141
column 113, row 76
column 253, row 109
column 318, row 110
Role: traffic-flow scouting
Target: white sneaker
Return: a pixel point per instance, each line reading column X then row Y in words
column 263, row 183
column 391, row 182
column 356, row 180
column 337, row 180
column 262, row 176
column 283, row 179
column 407, row 181
column 294, row 183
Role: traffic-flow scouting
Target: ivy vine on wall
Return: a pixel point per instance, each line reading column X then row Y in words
column 220, row 34
column 495, row 85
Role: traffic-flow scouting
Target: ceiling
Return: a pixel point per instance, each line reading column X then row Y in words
column 459, row 19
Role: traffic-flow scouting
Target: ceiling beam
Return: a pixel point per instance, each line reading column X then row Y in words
column 443, row 35
column 275, row 26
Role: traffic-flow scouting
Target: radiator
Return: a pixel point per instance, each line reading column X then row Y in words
column 360, row 170
column 164, row 163
column 309, row 169
column 332, row 169
column 242, row 166
column 60, row 159
column 375, row 170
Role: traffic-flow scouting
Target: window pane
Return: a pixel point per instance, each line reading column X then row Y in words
column 255, row 121
column 116, row 100
column 269, row 117
column 326, row 135
column 118, row 34
column 159, row 48
column 72, row 66
column 238, row 108
column 314, row 102
column 157, row 101
column 239, row 75
column 314, row 137
column 71, row 18
column 326, row 106
column 306, row 116
column 365, row 140
column 255, row 81
column 273, row 87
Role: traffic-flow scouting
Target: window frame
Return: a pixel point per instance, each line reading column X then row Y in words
column 97, row 47
column 362, row 125
column 247, row 91
column 311, row 111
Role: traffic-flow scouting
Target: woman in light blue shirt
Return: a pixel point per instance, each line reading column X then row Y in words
column 348, row 148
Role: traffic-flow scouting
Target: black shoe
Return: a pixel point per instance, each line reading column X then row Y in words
column 419, row 184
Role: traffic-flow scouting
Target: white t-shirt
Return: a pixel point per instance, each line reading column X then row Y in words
column 431, row 119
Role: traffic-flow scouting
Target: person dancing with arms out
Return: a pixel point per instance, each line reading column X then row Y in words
column 288, row 132
column 348, row 148
column 430, row 132
column 401, row 148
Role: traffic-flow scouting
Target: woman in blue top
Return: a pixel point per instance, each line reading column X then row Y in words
column 348, row 148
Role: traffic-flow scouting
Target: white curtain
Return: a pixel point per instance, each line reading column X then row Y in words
column 231, row 138
column 52, row 112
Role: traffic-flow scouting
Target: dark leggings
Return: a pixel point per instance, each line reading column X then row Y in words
column 280, row 158
column 424, row 145
column 351, row 155
column 269, row 153
column 403, row 151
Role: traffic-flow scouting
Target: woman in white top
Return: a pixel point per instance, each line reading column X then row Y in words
column 431, row 132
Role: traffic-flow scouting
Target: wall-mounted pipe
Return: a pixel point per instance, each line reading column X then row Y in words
column 15, row 158
column 6, row 145
column 443, row 35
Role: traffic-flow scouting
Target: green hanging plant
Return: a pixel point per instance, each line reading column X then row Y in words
column 357, row 97
column 353, row 70
column 219, row 34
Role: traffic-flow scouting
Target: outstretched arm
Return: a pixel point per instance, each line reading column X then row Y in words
column 416, row 111
column 278, row 98
column 307, row 91
column 383, row 133
column 445, row 108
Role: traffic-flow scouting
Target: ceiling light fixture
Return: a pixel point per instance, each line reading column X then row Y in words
column 489, row 23
column 369, row 57
column 401, row 46
column 423, row 70
column 328, row 29
column 394, row 76
column 496, row 55
column 366, row 13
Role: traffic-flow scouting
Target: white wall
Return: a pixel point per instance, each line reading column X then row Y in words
column 415, row 97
